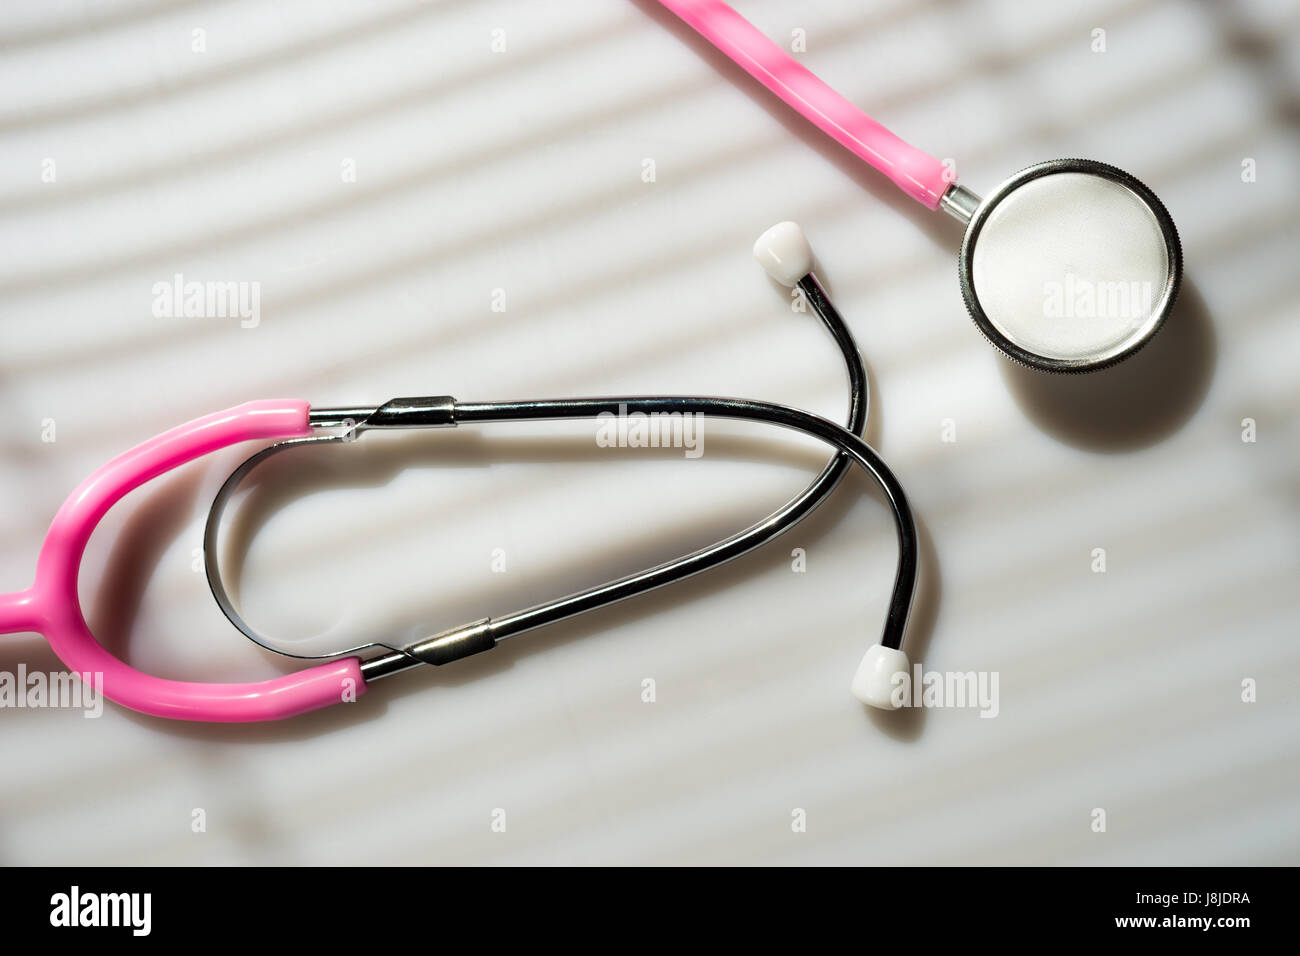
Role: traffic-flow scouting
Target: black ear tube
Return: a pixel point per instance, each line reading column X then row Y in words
column 873, row 681
column 443, row 411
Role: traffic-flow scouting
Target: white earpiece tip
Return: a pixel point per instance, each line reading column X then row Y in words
column 874, row 682
column 784, row 252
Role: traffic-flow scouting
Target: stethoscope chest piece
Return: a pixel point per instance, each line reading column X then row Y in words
column 1069, row 265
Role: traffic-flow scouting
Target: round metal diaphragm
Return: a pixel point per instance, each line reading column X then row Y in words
column 1070, row 266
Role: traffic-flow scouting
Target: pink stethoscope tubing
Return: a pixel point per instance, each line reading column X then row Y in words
column 917, row 173
column 51, row 606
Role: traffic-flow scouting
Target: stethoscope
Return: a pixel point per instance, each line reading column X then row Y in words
column 51, row 606
column 1068, row 266
column 1045, row 244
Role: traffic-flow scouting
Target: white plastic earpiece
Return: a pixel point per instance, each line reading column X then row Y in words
column 874, row 682
column 784, row 252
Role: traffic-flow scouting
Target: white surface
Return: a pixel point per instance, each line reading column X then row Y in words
column 523, row 171
column 1070, row 266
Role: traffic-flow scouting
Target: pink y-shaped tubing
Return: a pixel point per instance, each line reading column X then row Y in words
column 51, row 606
column 918, row 174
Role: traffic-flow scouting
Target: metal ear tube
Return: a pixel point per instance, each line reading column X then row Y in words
column 784, row 252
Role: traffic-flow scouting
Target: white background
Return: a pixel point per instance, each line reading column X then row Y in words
column 522, row 171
